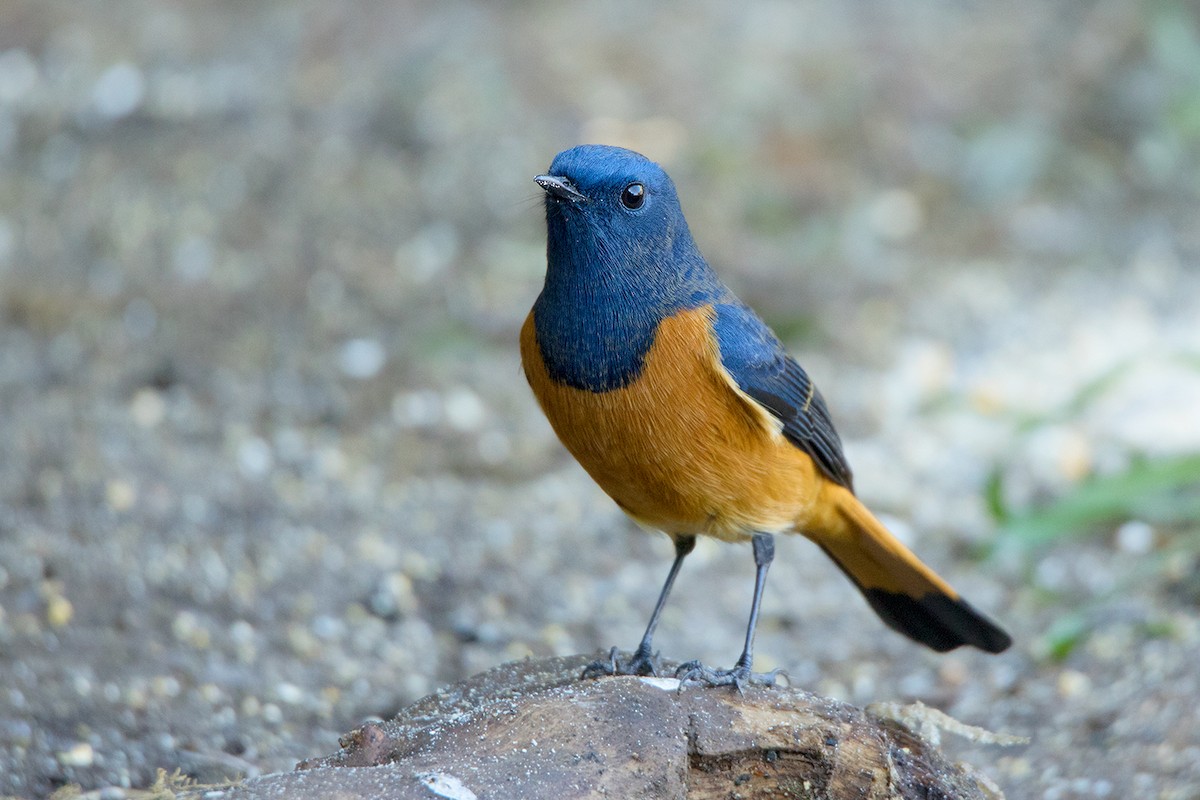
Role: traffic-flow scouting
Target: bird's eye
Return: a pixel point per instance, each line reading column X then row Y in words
column 633, row 196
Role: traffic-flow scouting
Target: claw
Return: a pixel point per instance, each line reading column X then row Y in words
column 601, row 667
column 739, row 676
column 641, row 663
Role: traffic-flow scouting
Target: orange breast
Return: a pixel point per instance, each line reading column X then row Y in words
column 681, row 449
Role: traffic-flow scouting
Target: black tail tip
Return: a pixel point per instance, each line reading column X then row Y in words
column 938, row 621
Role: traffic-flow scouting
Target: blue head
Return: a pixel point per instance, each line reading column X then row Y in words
column 619, row 259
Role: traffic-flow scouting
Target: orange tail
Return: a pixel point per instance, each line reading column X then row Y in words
column 906, row 594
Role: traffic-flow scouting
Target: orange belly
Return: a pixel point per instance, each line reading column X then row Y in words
column 681, row 449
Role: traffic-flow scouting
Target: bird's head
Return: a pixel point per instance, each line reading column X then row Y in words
column 611, row 211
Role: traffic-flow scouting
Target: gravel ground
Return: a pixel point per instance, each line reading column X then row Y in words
column 270, row 467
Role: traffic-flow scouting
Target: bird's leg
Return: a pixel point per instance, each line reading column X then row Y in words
column 644, row 661
column 740, row 674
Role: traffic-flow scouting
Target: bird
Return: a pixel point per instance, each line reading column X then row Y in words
column 685, row 408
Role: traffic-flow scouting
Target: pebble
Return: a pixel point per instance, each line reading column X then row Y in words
column 896, row 215
column 120, row 495
column 392, row 596
column 255, row 458
column 1073, row 683
column 166, row 686
column 328, row 628
column 290, row 693
column 1135, row 538
column 272, row 714
column 421, row 408
column 251, row 706
column 81, row 754
column 119, row 91
column 59, row 611
column 140, row 319
column 464, row 409
column 362, row 359
column 189, row 629
column 8, row 237
column 19, row 75
column 148, row 408
column 194, row 258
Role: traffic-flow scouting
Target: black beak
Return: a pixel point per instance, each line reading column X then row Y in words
column 559, row 188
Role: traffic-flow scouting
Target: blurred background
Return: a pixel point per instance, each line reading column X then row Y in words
column 268, row 465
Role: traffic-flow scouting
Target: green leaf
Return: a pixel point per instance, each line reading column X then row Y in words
column 1162, row 491
column 1065, row 636
column 993, row 496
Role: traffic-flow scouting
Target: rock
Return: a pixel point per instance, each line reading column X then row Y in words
column 533, row 729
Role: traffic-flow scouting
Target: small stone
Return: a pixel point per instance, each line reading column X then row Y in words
column 1135, row 537
column 464, row 409
column 494, row 447
column 896, row 215
column 255, row 458
column 251, row 706
column 193, row 258
column 362, row 358
column 120, row 495
column 8, row 240
column 446, row 786
column 302, row 641
column 954, row 672
column 188, row 629
column 392, row 596
column 272, row 714
column 328, row 628
column 421, row 408
column 147, row 408
column 140, row 319
column 59, row 610
column 290, row 693
column 18, row 75
column 166, row 686
column 242, row 632
column 1073, row 683
column 119, row 91
column 81, row 754
column 1018, row 767
column 1075, row 460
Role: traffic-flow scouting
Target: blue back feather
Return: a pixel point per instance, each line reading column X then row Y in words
column 760, row 366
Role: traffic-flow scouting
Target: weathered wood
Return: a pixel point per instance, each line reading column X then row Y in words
column 532, row 729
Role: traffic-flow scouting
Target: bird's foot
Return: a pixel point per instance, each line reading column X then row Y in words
column 740, row 676
column 642, row 662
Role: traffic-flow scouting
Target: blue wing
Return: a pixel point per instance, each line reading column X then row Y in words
column 763, row 370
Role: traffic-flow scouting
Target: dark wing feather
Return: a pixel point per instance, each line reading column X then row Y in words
column 756, row 360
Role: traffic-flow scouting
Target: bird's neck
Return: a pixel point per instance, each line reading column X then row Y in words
column 597, row 314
